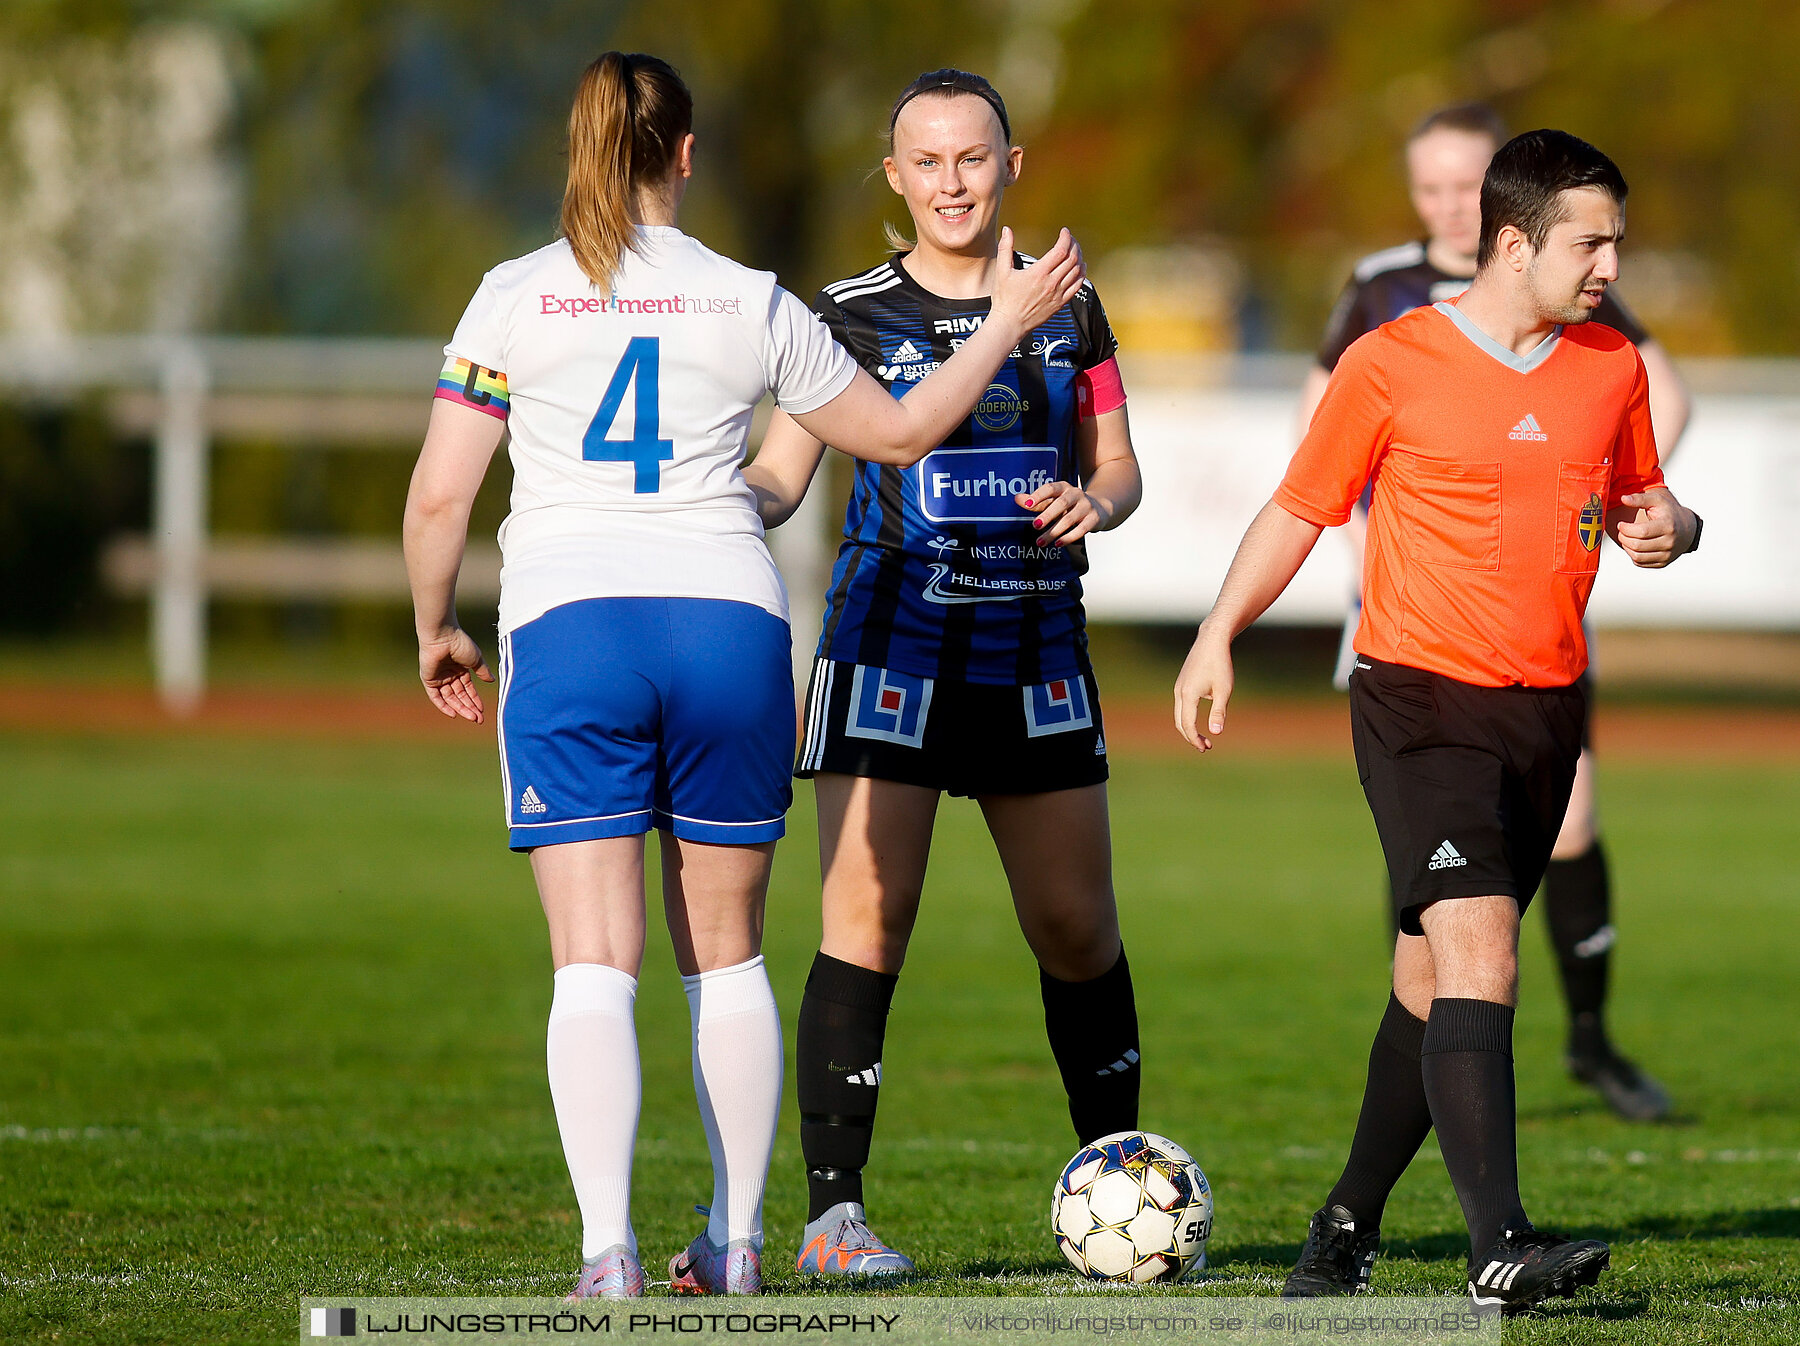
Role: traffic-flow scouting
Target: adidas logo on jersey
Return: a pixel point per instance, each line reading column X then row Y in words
column 530, row 803
column 1528, row 429
column 910, row 364
column 1446, row 857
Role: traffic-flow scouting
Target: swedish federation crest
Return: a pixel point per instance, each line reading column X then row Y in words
column 1592, row 523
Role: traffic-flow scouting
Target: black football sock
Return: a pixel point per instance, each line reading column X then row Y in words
column 1466, row 1061
column 837, row 1074
column 1578, row 903
column 1093, row 1031
column 1394, row 1121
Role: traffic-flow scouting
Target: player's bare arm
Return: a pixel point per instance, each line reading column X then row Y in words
column 782, row 469
column 1312, row 392
column 866, row 421
column 1275, row 546
column 1670, row 402
column 1652, row 527
column 1111, row 484
column 459, row 443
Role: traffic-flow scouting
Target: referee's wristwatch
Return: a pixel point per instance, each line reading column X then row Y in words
column 1699, row 525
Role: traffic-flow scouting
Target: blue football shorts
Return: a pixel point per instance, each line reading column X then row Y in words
column 622, row 714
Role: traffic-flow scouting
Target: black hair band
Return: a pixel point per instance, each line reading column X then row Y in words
column 957, row 83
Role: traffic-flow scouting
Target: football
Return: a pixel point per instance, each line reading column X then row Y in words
column 1132, row 1208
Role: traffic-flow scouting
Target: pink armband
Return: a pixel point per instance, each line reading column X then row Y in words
column 1099, row 390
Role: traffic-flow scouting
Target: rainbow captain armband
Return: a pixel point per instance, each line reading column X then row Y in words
column 473, row 386
column 1099, row 390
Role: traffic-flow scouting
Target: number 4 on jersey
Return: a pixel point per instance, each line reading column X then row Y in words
column 642, row 361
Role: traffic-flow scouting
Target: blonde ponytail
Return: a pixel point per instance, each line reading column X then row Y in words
column 630, row 116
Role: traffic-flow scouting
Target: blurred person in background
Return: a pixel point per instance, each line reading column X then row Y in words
column 1445, row 158
column 954, row 656
column 645, row 674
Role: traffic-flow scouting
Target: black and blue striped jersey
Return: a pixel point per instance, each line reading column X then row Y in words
column 938, row 574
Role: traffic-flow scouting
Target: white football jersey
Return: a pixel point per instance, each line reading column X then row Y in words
column 630, row 414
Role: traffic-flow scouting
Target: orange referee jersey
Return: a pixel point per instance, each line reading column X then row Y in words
column 1493, row 473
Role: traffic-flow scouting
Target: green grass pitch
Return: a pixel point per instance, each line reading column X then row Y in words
column 271, row 1024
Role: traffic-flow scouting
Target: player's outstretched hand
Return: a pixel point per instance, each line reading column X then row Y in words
column 448, row 666
column 1028, row 298
column 1653, row 528
column 1205, row 676
column 1065, row 513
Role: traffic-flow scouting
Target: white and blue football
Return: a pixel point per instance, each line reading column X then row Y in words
column 1132, row 1208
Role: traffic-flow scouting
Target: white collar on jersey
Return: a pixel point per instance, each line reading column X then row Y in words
column 1522, row 364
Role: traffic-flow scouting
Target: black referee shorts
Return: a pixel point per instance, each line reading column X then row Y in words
column 964, row 738
column 1468, row 784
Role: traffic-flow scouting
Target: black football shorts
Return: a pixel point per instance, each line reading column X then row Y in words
column 965, row 738
column 1468, row 784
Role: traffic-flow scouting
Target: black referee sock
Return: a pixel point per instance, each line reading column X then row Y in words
column 837, row 1073
column 1578, row 903
column 1394, row 1121
column 1466, row 1061
column 1093, row 1032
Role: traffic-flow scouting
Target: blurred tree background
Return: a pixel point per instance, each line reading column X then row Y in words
column 352, row 167
column 389, row 151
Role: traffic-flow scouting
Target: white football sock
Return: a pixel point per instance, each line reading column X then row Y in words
column 737, row 1078
column 594, row 1081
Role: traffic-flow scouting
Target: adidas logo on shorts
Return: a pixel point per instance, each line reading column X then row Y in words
column 530, row 803
column 1446, row 857
column 1528, row 429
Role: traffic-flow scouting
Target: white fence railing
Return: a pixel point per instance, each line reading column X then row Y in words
column 1213, row 438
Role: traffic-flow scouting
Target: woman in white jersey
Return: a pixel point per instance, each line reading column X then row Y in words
column 644, row 657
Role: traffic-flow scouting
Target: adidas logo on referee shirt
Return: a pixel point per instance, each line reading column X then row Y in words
column 530, row 803
column 1446, row 857
column 1528, row 429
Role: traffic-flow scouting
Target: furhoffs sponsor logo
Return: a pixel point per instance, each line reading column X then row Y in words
column 979, row 485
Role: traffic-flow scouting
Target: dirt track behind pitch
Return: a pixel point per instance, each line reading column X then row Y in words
column 1294, row 727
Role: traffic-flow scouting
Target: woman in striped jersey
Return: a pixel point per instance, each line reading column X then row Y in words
column 954, row 655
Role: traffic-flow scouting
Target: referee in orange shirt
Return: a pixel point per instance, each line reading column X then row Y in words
column 1445, row 159
column 1502, row 433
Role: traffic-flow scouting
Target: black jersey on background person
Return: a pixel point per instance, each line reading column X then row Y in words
column 1395, row 281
